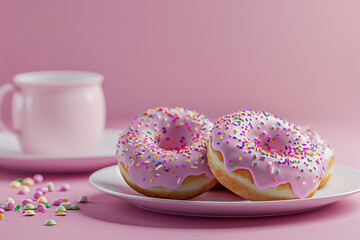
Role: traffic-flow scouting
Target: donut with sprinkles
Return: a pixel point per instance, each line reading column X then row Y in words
column 261, row 157
column 163, row 154
column 327, row 153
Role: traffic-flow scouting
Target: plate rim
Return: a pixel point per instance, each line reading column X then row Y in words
column 230, row 216
column 146, row 198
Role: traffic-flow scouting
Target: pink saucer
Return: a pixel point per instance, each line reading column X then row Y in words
column 11, row 156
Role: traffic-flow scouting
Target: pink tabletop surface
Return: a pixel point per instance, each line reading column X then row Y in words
column 106, row 216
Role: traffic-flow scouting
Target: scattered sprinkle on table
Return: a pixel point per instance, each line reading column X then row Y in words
column 15, row 184
column 62, row 213
column 38, row 178
column 29, row 213
column 50, row 186
column 41, row 207
column 26, row 201
column 9, row 205
column 50, row 222
column 28, row 181
column 83, row 199
column 23, row 192
column 65, row 187
column 61, row 209
column 66, row 205
column 9, row 199
column 75, row 207
column 38, row 194
column 42, row 200
column 25, row 188
column 57, row 202
column 29, row 206
column 39, row 199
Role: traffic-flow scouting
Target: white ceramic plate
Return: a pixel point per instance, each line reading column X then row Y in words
column 12, row 157
column 222, row 203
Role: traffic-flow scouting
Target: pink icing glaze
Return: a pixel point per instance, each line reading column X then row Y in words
column 322, row 146
column 272, row 149
column 164, row 146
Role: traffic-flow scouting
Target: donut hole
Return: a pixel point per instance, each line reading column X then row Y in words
column 270, row 143
column 172, row 138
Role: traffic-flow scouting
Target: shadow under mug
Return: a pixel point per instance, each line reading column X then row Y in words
column 56, row 112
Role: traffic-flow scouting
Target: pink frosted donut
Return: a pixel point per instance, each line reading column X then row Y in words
column 260, row 156
column 326, row 151
column 164, row 153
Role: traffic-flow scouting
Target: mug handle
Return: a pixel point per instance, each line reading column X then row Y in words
column 4, row 89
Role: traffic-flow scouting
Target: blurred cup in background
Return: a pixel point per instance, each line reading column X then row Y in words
column 57, row 112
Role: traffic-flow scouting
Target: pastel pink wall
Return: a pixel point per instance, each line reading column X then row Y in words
column 293, row 58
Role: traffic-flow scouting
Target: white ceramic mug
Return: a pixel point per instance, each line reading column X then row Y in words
column 57, row 112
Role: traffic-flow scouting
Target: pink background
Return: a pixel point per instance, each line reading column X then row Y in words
column 297, row 59
column 292, row 58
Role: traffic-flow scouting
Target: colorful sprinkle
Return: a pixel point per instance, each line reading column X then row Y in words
column 61, row 209
column 50, row 222
column 83, row 199
column 75, row 207
column 42, row 200
column 38, row 194
column 65, row 187
column 9, row 205
column 29, row 206
column 28, row 181
column 41, row 207
column 29, row 213
column 23, row 192
column 38, row 178
column 26, row 201
column 15, row 184
column 66, row 205
column 50, row 186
